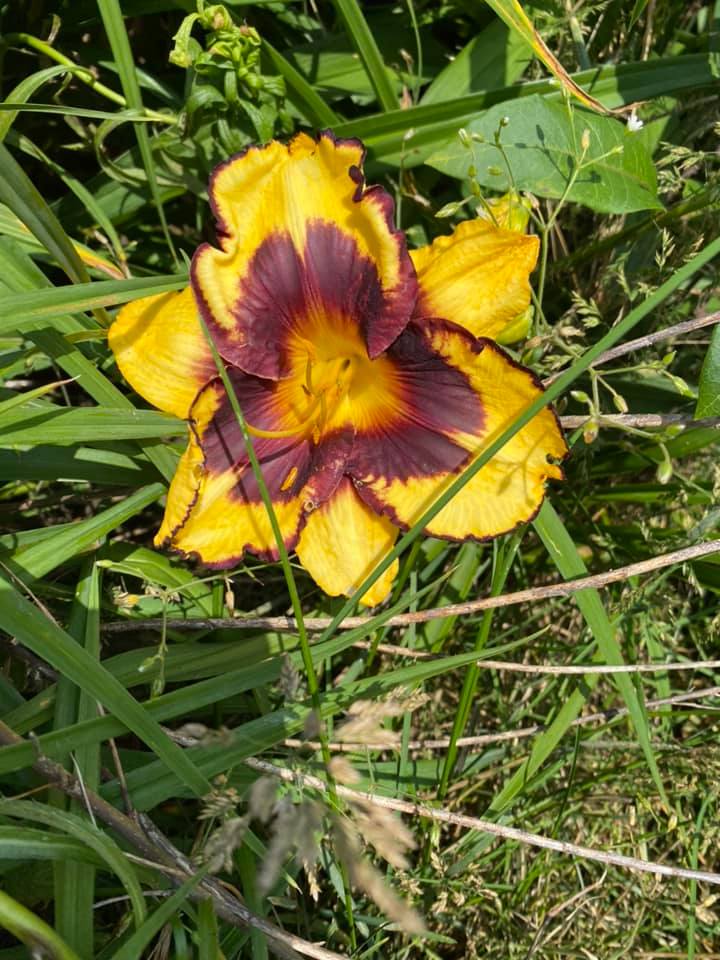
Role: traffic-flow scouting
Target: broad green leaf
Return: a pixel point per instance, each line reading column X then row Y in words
column 70, row 425
column 496, row 57
column 45, row 639
column 708, row 404
column 542, row 143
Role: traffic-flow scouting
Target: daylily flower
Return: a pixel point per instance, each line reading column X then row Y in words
column 368, row 376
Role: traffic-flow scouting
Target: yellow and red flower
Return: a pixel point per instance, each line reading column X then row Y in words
column 368, row 375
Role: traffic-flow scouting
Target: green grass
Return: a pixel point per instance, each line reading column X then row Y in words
column 108, row 146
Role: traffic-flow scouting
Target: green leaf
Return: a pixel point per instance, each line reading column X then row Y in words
column 25, row 89
column 542, row 143
column 300, row 93
column 75, row 882
column 153, row 567
column 13, row 403
column 28, row 843
column 95, row 465
column 563, row 551
column 708, row 404
column 496, row 57
column 84, row 425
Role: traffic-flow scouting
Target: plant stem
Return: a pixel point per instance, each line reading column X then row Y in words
column 312, row 680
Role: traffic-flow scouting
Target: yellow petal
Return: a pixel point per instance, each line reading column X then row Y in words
column 343, row 541
column 510, row 488
column 478, row 277
column 161, row 350
column 209, row 514
column 281, row 211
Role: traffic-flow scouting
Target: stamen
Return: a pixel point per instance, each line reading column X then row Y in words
column 290, row 431
column 289, row 479
column 341, row 387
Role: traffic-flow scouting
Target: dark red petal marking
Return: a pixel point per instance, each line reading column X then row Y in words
column 438, row 400
column 281, row 290
column 288, row 464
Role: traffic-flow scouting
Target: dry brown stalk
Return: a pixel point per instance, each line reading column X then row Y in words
column 487, row 826
column 532, row 595
column 483, row 739
column 677, row 330
column 639, row 420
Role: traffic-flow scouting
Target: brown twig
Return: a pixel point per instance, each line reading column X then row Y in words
column 144, row 837
column 667, row 333
column 639, row 420
column 531, row 595
column 486, row 826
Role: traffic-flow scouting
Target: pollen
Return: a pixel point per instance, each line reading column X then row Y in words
column 289, row 479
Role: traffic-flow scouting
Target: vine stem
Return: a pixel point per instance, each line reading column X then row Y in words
column 84, row 74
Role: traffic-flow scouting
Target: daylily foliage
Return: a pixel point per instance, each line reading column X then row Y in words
column 369, row 376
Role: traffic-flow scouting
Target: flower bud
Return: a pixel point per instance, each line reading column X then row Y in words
column 590, row 431
column 664, row 471
column 449, row 210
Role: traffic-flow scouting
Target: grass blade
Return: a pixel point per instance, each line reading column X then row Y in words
column 361, row 36
column 87, row 833
column 117, row 35
column 31, row 628
column 19, row 193
column 54, row 302
column 31, row 930
column 75, row 881
column 33, row 425
column 301, row 94
column 135, row 946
